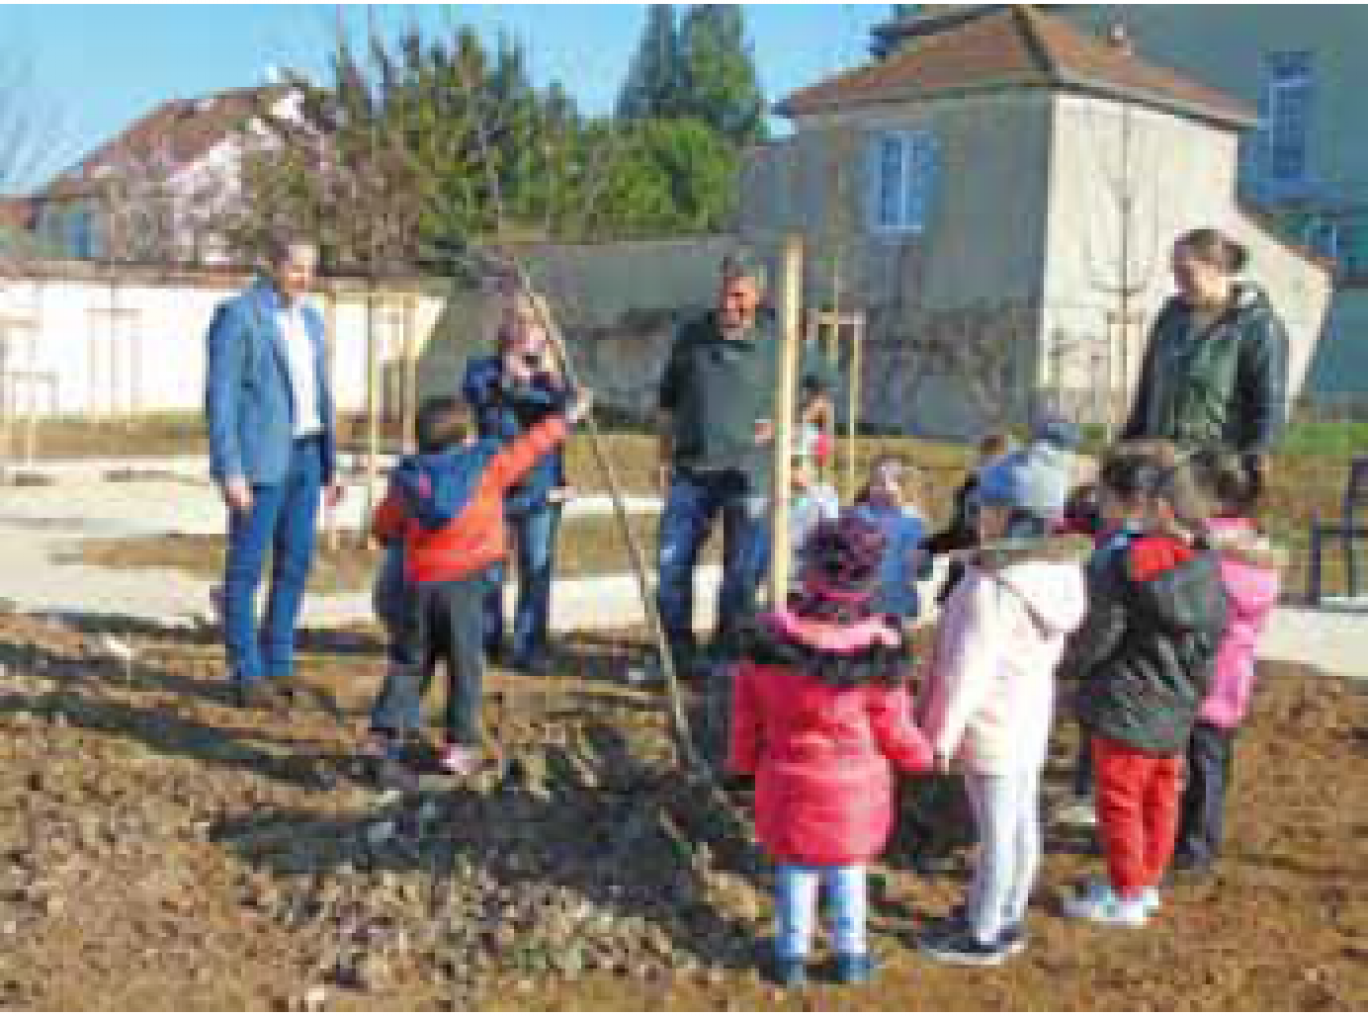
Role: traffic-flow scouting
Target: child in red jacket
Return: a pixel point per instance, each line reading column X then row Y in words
column 447, row 506
column 821, row 717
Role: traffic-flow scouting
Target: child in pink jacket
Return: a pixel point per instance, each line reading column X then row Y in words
column 821, row 717
column 988, row 699
column 1250, row 569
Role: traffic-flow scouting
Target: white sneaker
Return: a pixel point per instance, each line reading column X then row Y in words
column 1100, row 904
column 1077, row 813
column 1150, row 898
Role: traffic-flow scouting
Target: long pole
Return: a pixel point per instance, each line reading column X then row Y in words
column 678, row 719
column 790, row 308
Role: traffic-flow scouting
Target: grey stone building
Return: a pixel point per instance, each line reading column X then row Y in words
column 999, row 195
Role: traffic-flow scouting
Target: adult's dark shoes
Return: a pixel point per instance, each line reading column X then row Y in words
column 254, row 695
column 537, row 663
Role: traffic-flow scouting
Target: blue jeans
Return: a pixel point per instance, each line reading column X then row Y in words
column 282, row 520
column 694, row 502
column 534, row 537
column 796, row 900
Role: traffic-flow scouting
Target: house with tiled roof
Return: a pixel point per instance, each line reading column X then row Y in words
column 999, row 195
column 154, row 192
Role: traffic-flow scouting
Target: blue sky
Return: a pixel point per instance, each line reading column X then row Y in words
column 97, row 67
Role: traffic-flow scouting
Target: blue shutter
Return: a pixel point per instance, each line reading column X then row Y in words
column 923, row 177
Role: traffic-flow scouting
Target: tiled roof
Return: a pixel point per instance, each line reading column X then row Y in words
column 16, row 213
column 1014, row 45
column 181, row 131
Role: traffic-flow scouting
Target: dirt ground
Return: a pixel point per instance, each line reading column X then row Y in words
column 160, row 849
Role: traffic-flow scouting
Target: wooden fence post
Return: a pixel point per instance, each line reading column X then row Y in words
column 853, row 405
column 790, row 309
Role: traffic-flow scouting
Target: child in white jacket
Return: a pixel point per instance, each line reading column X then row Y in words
column 987, row 702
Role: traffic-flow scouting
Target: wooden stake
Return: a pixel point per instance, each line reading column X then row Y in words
column 410, row 393
column 790, row 310
column 372, row 404
column 330, row 530
column 855, row 394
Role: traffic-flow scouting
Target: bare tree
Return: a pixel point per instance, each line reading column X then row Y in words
column 31, row 143
column 1129, row 170
column 977, row 354
column 155, row 211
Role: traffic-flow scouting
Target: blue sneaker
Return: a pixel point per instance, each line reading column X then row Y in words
column 964, row 949
column 1013, row 939
column 854, row 968
column 789, row 971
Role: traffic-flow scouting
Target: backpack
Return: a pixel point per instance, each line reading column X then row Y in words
column 437, row 487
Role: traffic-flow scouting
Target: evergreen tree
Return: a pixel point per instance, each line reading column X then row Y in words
column 653, row 79
column 720, row 85
column 673, row 177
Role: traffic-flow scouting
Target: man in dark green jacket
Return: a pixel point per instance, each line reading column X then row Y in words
column 716, row 427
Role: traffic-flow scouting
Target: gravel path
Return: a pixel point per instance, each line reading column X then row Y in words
column 37, row 523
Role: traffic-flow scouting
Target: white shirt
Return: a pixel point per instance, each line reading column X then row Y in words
column 299, row 356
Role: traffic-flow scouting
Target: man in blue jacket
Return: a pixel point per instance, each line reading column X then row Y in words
column 272, row 452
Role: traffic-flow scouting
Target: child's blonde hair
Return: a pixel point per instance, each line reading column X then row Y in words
column 910, row 490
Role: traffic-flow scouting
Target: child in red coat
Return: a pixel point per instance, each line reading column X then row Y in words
column 821, row 718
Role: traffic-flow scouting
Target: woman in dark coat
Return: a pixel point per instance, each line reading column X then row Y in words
column 1215, row 370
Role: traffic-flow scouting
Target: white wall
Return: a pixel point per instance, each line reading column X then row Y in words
column 65, row 352
column 1177, row 174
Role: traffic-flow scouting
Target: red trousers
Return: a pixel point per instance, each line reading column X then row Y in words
column 1137, row 813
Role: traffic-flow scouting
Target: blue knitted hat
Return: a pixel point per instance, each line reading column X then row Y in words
column 1034, row 480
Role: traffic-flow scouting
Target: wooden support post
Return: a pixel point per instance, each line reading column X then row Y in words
column 330, row 530
column 790, row 310
column 853, row 404
column 372, row 403
column 410, row 393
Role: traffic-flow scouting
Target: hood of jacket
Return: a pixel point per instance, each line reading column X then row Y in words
column 1062, row 549
column 1240, row 540
column 1054, row 592
column 1178, row 586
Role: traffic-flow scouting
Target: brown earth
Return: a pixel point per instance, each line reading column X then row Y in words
column 163, row 850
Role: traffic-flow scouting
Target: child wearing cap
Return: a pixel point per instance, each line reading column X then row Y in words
column 988, row 697
column 821, row 718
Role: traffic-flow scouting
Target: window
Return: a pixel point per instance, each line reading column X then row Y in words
column 1285, row 122
column 1351, row 243
column 903, row 172
column 80, row 238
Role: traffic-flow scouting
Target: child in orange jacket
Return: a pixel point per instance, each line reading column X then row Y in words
column 447, row 506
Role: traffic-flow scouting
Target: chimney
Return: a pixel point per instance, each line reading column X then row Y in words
column 1119, row 38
